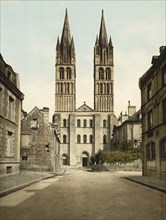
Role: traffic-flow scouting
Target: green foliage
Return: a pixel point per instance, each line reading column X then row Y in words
column 121, row 157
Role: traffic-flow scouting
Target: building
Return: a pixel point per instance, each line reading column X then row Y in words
column 153, row 105
column 83, row 130
column 10, row 118
column 128, row 132
column 39, row 142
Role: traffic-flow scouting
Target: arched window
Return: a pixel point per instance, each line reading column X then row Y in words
column 101, row 88
column 78, row 139
column 64, row 123
column 91, row 123
column 68, row 70
column 68, row 88
column 104, row 139
column 104, row 123
column 85, row 139
column 78, row 123
column 61, row 88
column 90, row 139
column 108, row 88
column 101, row 73
column 108, row 73
column 64, row 139
column 61, row 72
column 85, row 123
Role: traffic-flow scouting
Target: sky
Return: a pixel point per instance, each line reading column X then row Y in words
column 29, row 31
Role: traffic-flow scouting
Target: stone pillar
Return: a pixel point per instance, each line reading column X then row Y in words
column 72, row 149
column 97, row 134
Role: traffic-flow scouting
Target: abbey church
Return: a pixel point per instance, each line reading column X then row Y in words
column 83, row 131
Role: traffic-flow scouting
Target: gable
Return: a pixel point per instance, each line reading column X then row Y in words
column 84, row 108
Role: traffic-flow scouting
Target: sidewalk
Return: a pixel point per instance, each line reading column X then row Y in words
column 151, row 182
column 12, row 183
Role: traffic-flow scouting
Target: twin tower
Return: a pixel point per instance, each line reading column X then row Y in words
column 83, row 131
column 65, row 83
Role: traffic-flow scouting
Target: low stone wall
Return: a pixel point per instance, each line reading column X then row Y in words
column 133, row 166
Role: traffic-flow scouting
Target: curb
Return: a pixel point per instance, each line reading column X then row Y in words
column 147, row 184
column 19, row 187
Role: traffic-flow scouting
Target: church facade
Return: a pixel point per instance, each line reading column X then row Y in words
column 83, row 131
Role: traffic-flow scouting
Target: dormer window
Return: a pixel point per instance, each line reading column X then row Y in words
column 34, row 123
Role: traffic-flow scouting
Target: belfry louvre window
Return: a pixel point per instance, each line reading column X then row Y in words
column 61, row 73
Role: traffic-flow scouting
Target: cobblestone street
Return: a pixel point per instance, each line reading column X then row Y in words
column 85, row 195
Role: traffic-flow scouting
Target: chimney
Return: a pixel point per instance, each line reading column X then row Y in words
column 131, row 109
column 161, row 49
column 46, row 114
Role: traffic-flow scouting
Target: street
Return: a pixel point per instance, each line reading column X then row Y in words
column 83, row 195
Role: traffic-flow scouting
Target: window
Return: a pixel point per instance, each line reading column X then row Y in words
column 9, row 143
column 104, row 139
column 34, row 123
column 64, row 139
column 149, row 91
column 104, row 123
column 164, row 75
column 61, row 72
column 91, row 139
column 85, row 124
column 163, row 149
column 78, row 139
column 101, row 88
column 78, row 123
column 64, row 123
column 68, row 70
column 11, row 108
column 150, row 119
column 150, row 151
column 24, row 157
column 8, row 170
column 9, row 75
column 101, row 73
column 164, row 111
column 108, row 88
column 91, row 123
column 85, row 139
column 108, row 73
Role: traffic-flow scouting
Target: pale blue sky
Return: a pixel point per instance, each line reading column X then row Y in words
column 29, row 31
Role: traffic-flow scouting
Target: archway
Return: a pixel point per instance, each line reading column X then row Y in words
column 85, row 159
column 64, row 159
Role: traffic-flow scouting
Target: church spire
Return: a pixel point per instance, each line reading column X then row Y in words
column 103, row 32
column 66, row 37
column 65, row 46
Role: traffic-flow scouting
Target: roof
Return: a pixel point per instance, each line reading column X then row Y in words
column 157, row 62
column 84, row 108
